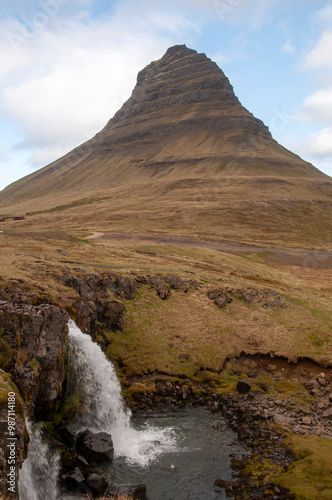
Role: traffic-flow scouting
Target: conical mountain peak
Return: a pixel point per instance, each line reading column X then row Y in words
column 182, row 120
column 181, row 76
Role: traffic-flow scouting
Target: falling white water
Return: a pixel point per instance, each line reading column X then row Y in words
column 104, row 408
column 40, row 471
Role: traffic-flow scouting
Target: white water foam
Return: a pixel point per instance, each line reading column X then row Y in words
column 104, row 408
column 38, row 478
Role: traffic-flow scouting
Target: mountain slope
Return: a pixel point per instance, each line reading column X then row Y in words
column 182, row 119
column 181, row 155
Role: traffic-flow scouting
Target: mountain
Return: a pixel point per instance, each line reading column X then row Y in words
column 182, row 143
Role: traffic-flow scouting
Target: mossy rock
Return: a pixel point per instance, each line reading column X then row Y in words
column 6, row 354
column 141, row 388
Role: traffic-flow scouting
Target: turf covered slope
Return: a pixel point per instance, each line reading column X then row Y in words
column 181, row 154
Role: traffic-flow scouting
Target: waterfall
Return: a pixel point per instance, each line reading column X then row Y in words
column 104, row 410
column 39, row 473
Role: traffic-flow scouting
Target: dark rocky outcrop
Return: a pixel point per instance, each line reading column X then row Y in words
column 266, row 298
column 95, row 447
column 162, row 289
column 98, row 307
column 37, row 336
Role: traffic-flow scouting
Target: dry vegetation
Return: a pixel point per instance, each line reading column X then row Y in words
column 291, row 213
column 187, row 331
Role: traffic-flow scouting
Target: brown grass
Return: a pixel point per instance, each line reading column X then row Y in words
column 241, row 209
column 188, row 331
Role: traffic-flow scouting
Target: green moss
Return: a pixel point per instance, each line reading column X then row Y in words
column 309, row 477
column 6, row 386
column 67, row 410
column 35, row 365
column 135, row 391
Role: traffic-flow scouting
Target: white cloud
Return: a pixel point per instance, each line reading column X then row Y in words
column 63, row 84
column 288, row 48
column 320, row 56
column 320, row 143
column 324, row 16
column 317, row 107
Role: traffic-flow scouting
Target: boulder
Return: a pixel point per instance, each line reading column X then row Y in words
column 162, row 289
column 95, row 447
column 221, row 298
column 125, row 288
column 96, row 483
column 68, row 437
column 74, row 481
column 328, row 414
column 281, row 419
column 84, row 465
column 243, row 387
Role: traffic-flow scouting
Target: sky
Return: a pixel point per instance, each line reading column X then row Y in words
column 68, row 65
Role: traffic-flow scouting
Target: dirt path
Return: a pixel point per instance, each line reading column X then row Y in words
column 305, row 258
column 95, row 236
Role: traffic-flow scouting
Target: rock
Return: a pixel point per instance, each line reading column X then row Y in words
column 161, row 287
column 175, row 282
column 182, row 393
column 306, row 420
column 327, row 414
column 97, row 483
column 243, row 387
column 125, row 287
column 58, row 250
column 83, row 465
column 38, row 335
column 265, row 386
column 219, row 426
column 242, row 432
column 9, row 396
column 68, row 458
column 220, row 483
column 95, row 447
column 281, row 419
column 271, row 368
column 97, row 309
column 222, row 301
column 68, row 437
column 221, row 298
column 137, row 491
column 316, row 392
column 75, row 481
column 322, row 381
